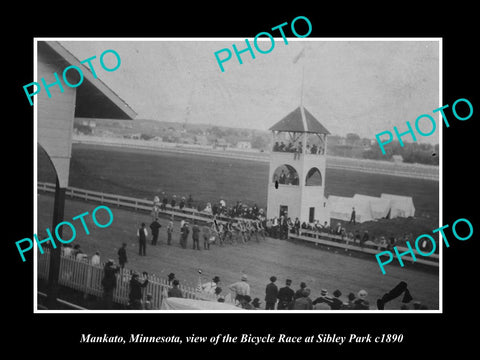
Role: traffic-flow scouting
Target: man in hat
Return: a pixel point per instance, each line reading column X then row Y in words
column 142, row 239
column 336, row 303
column 169, row 232
column 271, row 293
column 361, row 303
column 109, row 283
column 196, row 236
column 285, row 296
column 240, row 288
column 303, row 302
column 155, row 227
column 352, row 216
column 298, row 293
column 122, row 255
column 170, row 278
column 323, row 301
column 136, row 286
column 184, row 231
column 175, row 290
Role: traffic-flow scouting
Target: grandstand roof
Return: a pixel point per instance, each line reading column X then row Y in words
column 300, row 120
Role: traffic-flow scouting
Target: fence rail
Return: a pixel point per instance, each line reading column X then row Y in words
column 419, row 171
column 193, row 214
column 132, row 203
column 87, row 278
column 349, row 245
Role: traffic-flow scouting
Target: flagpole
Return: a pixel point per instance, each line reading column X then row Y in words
column 301, row 89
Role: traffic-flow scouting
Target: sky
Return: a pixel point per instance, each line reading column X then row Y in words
column 364, row 87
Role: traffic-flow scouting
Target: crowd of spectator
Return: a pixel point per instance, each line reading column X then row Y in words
column 296, row 148
column 239, row 293
column 286, row 298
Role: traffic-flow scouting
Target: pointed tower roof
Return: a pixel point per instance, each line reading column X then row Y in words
column 300, row 120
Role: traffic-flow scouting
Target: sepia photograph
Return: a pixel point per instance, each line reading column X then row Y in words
column 228, row 175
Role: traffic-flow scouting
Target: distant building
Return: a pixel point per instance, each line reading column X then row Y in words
column 244, row 145
column 397, row 158
column 201, row 140
column 221, row 143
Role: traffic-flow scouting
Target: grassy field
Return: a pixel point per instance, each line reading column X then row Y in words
column 145, row 173
column 318, row 268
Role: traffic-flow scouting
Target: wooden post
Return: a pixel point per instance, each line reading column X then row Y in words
column 54, row 270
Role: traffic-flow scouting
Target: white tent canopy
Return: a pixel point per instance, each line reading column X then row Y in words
column 341, row 208
column 370, row 207
column 400, row 206
column 379, row 207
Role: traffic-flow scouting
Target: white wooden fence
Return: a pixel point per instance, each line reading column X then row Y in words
column 369, row 247
column 130, row 202
column 87, row 278
column 193, row 214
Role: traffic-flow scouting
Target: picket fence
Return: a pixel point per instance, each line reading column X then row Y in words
column 82, row 276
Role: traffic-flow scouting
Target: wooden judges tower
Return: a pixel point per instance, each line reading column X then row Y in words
column 297, row 168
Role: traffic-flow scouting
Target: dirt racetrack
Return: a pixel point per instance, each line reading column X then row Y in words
column 284, row 259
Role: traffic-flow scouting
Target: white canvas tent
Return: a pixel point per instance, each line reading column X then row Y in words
column 379, row 207
column 400, row 206
column 341, row 208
